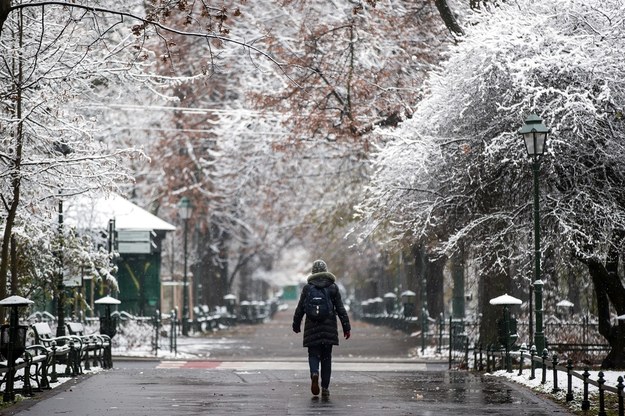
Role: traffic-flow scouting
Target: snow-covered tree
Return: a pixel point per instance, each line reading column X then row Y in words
column 470, row 181
column 50, row 147
column 64, row 67
column 266, row 155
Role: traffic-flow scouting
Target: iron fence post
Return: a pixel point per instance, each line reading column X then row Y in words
column 481, row 366
column 601, row 382
column 157, row 331
column 569, row 381
column 522, row 351
column 441, row 328
column 620, row 387
column 555, row 374
column 475, row 365
column 532, row 363
column 450, row 343
column 585, row 401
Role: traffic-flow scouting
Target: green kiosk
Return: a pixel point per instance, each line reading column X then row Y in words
column 138, row 235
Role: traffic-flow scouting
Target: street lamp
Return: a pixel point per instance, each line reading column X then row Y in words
column 60, row 286
column 65, row 150
column 184, row 210
column 534, row 134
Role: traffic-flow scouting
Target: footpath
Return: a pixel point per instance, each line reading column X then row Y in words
column 262, row 370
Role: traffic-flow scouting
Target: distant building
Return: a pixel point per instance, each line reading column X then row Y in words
column 138, row 237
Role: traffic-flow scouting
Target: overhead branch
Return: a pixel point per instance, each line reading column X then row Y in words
column 6, row 9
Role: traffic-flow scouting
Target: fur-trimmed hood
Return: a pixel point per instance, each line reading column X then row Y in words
column 324, row 332
column 321, row 279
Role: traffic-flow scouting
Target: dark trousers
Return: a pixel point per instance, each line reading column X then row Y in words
column 321, row 354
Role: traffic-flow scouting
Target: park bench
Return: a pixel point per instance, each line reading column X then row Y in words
column 31, row 360
column 94, row 348
column 37, row 359
column 60, row 350
column 19, row 364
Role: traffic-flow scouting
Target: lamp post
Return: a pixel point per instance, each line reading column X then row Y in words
column 534, row 134
column 184, row 210
column 65, row 150
column 60, row 286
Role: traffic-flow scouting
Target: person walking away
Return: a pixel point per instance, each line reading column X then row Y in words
column 321, row 302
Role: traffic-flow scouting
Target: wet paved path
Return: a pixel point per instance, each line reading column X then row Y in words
column 261, row 370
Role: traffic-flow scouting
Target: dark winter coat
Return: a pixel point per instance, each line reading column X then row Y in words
column 324, row 332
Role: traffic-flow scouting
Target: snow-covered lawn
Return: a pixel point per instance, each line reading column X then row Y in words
column 611, row 379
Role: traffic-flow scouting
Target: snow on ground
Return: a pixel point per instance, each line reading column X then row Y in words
column 611, row 379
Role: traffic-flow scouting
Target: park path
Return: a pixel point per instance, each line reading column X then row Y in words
column 276, row 340
column 262, row 370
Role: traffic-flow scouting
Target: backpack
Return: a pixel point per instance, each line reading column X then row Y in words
column 318, row 305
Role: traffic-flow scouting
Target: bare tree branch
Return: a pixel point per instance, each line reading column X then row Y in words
column 6, row 9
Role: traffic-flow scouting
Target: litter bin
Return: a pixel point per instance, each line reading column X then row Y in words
column 12, row 348
column 20, row 343
column 389, row 302
column 377, row 304
column 408, row 299
column 246, row 311
column 108, row 325
column 231, row 303
column 507, row 333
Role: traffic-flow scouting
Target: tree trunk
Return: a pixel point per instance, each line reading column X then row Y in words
column 609, row 291
column 616, row 356
column 448, row 17
column 5, row 8
column 16, row 179
column 435, row 286
column 491, row 285
column 421, row 269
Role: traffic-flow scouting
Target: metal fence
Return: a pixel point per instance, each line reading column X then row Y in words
column 577, row 336
column 560, row 373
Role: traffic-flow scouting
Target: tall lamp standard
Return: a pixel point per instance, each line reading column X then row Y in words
column 534, row 134
column 64, row 149
column 184, row 210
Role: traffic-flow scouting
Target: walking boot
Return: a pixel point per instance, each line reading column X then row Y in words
column 314, row 386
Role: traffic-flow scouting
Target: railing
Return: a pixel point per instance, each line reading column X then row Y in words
column 452, row 336
column 551, row 364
